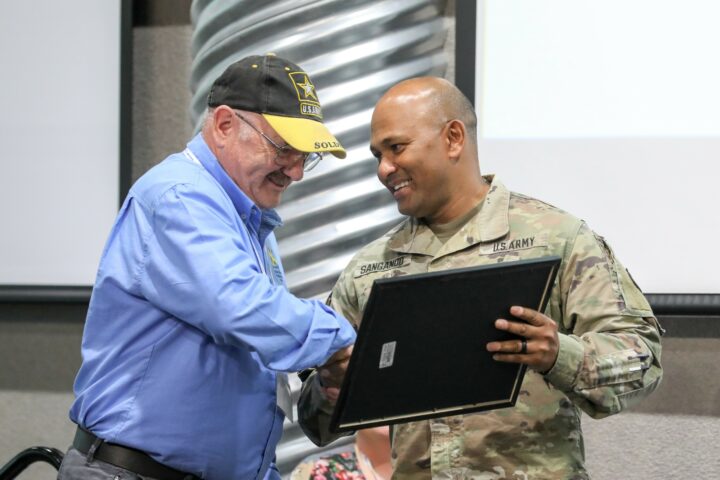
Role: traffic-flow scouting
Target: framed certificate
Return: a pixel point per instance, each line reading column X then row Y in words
column 421, row 349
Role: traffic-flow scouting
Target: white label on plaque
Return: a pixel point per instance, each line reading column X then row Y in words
column 387, row 356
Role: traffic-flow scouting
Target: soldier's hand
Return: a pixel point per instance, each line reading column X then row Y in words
column 333, row 372
column 331, row 394
column 539, row 345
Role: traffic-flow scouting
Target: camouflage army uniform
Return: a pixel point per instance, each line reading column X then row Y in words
column 609, row 353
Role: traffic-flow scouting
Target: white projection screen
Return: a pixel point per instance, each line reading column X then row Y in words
column 611, row 111
column 60, row 97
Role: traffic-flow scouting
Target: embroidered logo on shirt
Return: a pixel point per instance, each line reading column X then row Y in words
column 381, row 266
column 277, row 275
column 272, row 258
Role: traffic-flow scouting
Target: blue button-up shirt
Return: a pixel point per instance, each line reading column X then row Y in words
column 186, row 326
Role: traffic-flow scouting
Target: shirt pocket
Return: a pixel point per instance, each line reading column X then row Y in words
column 365, row 273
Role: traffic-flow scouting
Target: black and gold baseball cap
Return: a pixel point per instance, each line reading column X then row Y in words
column 284, row 94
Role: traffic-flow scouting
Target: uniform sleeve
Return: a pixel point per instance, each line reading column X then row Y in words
column 200, row 268
column 314, row 411
column 609, row 355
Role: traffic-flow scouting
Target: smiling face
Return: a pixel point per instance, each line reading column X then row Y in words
column 249, row 159
column 409, row 139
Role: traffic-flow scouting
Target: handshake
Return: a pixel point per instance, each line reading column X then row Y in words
column 331, row 374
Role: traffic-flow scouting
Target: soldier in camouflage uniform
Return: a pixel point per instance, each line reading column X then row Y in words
column 595, row 348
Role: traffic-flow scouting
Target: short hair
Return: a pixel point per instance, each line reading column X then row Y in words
column 457, row 105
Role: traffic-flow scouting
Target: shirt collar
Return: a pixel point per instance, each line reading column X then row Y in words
column 262, row 221
column 489, row 224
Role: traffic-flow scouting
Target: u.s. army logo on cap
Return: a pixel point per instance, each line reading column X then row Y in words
column 309, row 104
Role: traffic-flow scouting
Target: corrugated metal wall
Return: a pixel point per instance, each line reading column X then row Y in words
column 354, row 50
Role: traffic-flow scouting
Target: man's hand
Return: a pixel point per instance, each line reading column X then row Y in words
column 540, row 345
column 333, row 372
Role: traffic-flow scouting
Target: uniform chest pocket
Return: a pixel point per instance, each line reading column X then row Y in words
column 366, row 273
column 501, row 257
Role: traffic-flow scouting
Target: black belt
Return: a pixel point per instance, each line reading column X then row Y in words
column 127, row 458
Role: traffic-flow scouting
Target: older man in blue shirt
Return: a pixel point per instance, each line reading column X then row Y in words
column 190, row 325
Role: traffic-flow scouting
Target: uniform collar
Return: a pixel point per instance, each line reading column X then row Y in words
column 489, row 224
column 262, row 221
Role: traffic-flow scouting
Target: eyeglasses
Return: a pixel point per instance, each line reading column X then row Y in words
column 286, row 156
